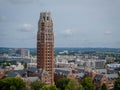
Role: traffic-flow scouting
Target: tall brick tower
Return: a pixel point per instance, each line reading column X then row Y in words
column 45, row 45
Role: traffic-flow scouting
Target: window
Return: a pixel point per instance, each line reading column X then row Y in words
column 47, row 18
column 44, row 18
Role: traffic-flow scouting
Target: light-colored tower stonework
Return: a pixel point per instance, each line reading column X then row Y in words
column 45, row 45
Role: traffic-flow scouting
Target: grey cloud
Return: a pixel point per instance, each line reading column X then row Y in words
column 26, row 27
column 23, row 1
column 2, row 34
column 77, row 23
column 118, row 42
column 20, row 1
column 108, row 32
column 69, row 32
column 2, row 19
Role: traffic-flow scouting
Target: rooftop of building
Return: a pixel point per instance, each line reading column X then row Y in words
column 14, row 73
column 98, row 77
column 62, row 71
column 32, row 79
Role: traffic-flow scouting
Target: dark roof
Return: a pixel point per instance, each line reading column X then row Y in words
column 118, row 69
column 15, row 73
column 111, row 71
column 21, row 72
column 32, row 69
column 98, row 77
column 11, row 74
column 64, row 72
column 111, row 78
column 79, row 70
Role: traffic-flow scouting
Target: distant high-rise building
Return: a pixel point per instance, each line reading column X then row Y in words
column 45, row 45
column 27, row 53
column 22, row 52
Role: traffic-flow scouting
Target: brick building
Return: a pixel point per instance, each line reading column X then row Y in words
column 45, row 45
column 63, row 72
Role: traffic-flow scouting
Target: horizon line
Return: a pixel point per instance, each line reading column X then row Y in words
column 66, row 47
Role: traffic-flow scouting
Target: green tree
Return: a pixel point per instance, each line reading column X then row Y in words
column 62, row 83
column 44, row 88
column 52, row 87
column 104, row 87
column 36, row 85
column 97, row 88
column 12, row 84
column 81, row 87
column 117, row 84
column 73, row 85
column 87, row 84
column 24, row 64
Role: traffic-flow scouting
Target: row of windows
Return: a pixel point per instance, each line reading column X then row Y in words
column 45, row 52
column 44, row 39
column 43, row 44
column 46, row 18
column 45, row 34
column 42, row 31
column 41, row 57
column 46, row 48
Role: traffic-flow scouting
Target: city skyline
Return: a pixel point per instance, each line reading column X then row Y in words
column 77, row 23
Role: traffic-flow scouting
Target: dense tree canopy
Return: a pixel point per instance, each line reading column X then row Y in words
column 36, row 85
column 12, row 84
column 62, row 83
column 73, row 85
column 87, row 84
column 97, row 88
column 117, row 84
column 80, row 87
column 52, row 87
column 104, row 87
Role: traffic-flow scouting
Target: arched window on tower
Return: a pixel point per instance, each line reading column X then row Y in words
column 47, row 18
column 43, row 18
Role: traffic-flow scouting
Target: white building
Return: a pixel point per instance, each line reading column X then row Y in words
column 19, row 66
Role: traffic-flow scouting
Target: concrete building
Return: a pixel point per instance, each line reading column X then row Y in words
column 99, row 64
column 27, row 53
column 112, row 66
column 22, row 52
column 19, row 66
column 31, row 65
column 45, row 45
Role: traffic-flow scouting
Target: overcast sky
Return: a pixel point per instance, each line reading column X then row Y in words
column 77, row 23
